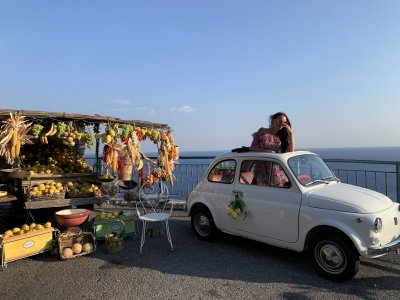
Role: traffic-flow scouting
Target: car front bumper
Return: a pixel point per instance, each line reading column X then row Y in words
column 395, row 245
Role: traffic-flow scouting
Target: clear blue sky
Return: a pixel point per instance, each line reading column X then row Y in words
column 214, row 70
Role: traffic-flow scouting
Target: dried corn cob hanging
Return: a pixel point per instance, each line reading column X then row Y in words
column 14, row 134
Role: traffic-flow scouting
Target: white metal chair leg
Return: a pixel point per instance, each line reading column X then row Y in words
column 168, row 234
column 143, row 237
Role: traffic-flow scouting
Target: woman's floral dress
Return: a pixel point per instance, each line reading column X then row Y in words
column 263, row 169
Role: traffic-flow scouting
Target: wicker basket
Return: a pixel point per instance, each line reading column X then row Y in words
column 55, row 196
column 83, row 195
column 115, row 243
column 67, row 240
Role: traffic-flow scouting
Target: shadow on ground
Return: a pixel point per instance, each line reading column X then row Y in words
column 238, row 259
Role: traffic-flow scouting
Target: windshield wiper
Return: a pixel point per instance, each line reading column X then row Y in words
column 317, row 181
column 330, row 178
column 325, row 180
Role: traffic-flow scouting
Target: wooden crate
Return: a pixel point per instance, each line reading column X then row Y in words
column 28, row 244
column 67, row 240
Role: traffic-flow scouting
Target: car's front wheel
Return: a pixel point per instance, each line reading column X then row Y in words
column 203, row 224
column 334, row 257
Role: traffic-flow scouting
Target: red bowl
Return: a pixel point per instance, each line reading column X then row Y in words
column 72, row 217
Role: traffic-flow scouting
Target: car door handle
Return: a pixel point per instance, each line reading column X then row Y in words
column 237, row 192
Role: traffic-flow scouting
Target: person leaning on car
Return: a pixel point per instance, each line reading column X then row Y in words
column 278, row 138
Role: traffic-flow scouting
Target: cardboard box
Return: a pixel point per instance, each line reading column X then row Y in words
column 103, row 226
column 28, row 244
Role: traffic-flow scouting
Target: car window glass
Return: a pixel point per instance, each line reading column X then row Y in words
column 223, row 172
column 263, row 172
column 308, row 168
column 246, row 175
column 279, row 177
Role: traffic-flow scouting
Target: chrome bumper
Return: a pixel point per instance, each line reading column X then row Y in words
column 395, row 245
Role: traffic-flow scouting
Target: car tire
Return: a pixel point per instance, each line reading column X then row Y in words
column 203, row 224
column 334, row 257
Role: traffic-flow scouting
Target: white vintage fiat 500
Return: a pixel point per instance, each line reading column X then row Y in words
column 294, row 201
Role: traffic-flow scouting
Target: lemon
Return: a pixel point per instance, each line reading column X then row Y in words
column 16, row 230
column 234, row 215
column 25, row 227
column 33, row 225
column 47, row 225
column 70, row 184
column 238, row 211
column 9, row 233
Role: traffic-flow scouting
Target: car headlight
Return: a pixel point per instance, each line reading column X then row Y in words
column 378, row 225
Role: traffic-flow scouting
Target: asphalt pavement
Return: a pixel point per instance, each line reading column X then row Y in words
column 228, row 268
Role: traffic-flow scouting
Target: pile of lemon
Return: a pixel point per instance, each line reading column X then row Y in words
column 82, row 188
column 33, row 227
column 107, row 215
column 236, row 207
column 48, row 188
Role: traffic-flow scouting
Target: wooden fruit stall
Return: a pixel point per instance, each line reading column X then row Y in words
column 43, row 166
column 42, row 156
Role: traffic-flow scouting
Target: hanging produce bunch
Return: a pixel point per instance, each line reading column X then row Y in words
column 13, row 135
column 236, row 207
column 118, row 154
column 168, row 153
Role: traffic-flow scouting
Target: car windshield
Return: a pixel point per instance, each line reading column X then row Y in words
column 310, row 169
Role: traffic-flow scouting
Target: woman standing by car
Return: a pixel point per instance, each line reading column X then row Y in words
column 278, row 138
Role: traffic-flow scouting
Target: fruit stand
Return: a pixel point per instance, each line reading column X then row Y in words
column 43, row 166
column 42, row 155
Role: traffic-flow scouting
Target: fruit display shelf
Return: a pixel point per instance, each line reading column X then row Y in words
column 28, row 244
column 65, row 201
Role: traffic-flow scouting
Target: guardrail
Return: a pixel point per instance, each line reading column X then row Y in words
column 381, row 176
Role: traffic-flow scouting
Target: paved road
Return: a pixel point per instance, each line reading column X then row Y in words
column 229, row 268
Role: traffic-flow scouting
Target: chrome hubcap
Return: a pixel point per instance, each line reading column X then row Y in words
column 330, row 257
column 202, row 225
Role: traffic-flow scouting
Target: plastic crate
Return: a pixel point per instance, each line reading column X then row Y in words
column 100, row 226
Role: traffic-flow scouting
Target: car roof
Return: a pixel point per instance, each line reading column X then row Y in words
column 278, row 156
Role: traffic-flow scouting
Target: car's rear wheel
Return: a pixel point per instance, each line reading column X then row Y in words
column 203, row 224
column 334, row 257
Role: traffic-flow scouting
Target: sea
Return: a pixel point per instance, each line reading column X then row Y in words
column 356, row 153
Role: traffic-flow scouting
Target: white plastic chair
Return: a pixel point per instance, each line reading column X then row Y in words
column 151, row 213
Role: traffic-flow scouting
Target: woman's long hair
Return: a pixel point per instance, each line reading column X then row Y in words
column 282, row 134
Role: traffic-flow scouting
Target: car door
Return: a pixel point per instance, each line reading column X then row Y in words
column 271, row 205
column 219, row 188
